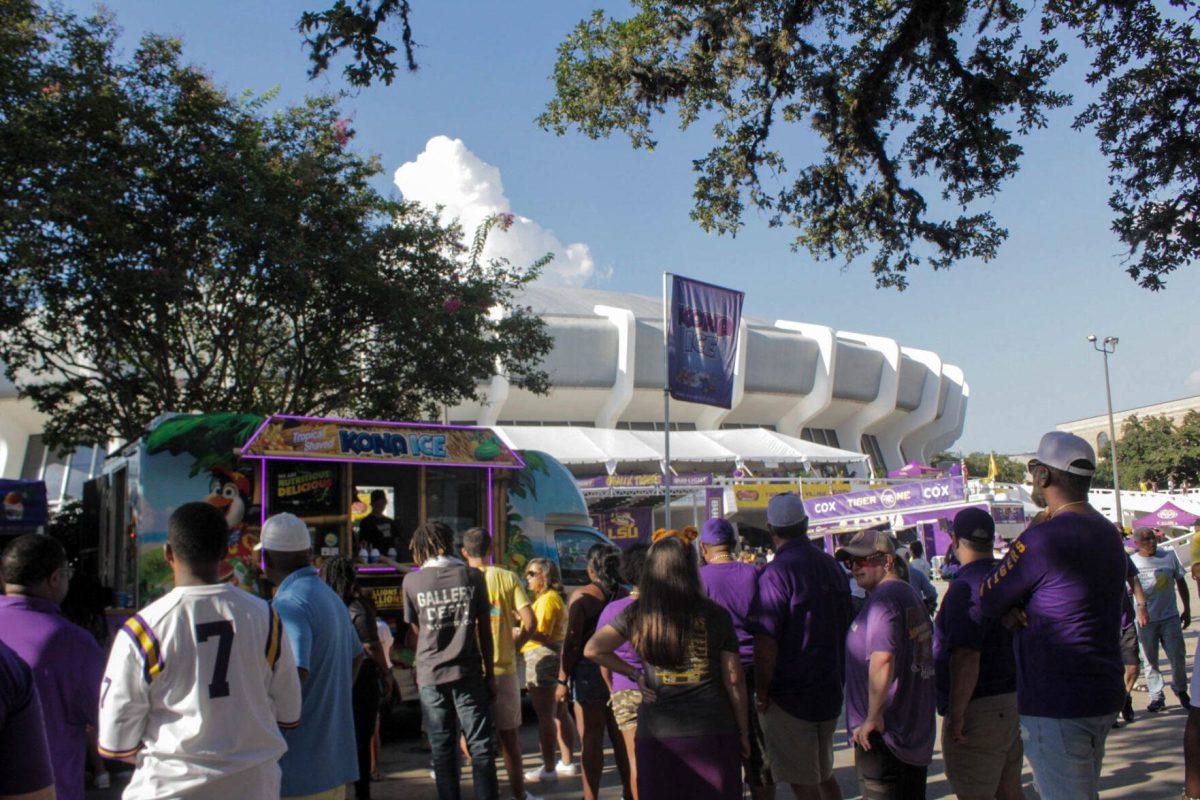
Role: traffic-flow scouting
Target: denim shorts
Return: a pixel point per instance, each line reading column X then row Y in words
column 587, row 685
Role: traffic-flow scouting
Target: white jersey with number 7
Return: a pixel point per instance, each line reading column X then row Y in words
column 197, row 687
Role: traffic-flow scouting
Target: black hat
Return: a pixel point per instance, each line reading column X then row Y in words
column 975, row 525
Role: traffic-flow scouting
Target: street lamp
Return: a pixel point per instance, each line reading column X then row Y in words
column 1108, row 346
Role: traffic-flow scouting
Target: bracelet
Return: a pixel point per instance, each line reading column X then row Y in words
column 561, row 682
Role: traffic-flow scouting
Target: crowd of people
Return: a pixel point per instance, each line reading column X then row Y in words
column 706, row 675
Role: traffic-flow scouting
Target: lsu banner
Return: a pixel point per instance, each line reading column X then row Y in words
column 702, row 336
column 627, row 526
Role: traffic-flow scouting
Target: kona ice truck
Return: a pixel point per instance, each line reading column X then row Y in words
column 324, row 471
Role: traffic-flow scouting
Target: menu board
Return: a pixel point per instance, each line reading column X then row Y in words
column 305, row 489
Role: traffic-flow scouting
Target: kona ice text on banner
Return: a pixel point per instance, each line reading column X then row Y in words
column 702, row 341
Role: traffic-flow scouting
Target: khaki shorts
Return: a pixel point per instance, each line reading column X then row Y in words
column 992, row 751
column 625, row 707
column 541, row 667
column 506, row 708
column 799, row 751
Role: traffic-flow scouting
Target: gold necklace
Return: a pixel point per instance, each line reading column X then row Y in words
column 1066, row 505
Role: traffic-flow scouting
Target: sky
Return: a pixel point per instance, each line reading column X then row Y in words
column 461, row 132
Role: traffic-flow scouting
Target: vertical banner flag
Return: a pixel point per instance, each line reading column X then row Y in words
column 702, row 341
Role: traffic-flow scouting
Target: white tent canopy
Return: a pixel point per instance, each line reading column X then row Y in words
column 603, row 448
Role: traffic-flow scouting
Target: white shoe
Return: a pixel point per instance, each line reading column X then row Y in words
column 539, row 775
column 570, row 770
column 103, row 781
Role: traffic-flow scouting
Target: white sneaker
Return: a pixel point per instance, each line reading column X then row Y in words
column 570, row 770
column 539, row 775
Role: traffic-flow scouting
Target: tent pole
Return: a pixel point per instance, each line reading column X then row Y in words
column 666, row 405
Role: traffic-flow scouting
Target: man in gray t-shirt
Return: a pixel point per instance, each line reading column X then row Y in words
column 1161, row 576
column 446, row 603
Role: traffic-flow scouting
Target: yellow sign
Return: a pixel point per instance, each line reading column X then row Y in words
column 757, row 495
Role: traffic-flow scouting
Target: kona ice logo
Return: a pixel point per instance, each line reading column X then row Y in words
column 418, row 445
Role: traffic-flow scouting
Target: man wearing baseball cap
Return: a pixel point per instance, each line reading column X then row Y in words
column 321, row 758
column 1160, row 575
column 733, row 585
column 801, row 615
column 1062, row 585
column 890, row 693
column 976, row 674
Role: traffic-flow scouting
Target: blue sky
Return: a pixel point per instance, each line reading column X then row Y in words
column 1016, row 326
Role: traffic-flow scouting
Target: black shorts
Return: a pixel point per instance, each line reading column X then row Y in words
column 757, row 768
column 883, row 776
column 1129, row 647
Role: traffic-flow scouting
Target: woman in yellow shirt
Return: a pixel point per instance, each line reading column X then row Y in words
column 541, row 653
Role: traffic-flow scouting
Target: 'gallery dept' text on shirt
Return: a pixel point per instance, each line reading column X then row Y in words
column 446, row 607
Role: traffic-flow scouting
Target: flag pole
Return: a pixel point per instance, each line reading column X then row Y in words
column 666, row 403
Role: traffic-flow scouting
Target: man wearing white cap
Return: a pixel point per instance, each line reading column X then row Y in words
column 1062, row 585
column 800, row 618
column 321, row 757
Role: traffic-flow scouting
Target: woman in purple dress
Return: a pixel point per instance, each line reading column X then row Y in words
column 692, row 723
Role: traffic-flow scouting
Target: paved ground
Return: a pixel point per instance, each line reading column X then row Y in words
column 1144, row 762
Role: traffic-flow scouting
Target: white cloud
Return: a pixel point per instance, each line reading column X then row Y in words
column 1193, row 380
column 469, row 189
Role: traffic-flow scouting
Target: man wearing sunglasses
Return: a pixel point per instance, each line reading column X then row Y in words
column 1062, row 586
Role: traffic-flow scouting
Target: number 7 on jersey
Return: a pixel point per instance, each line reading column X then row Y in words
column 223, row 630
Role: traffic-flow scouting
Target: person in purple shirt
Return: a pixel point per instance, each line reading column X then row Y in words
column 1062, row 586
column 26, row 755
column 890, row 692
column 67, row 663
column 625, row 695
column 733, row 585
column 976, row 674
column 800, row 617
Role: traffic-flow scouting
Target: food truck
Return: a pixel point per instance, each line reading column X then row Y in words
column 324, row 470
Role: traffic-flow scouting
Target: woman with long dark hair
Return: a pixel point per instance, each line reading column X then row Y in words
column 692, row 725
column 579, row 677
column 374, row 678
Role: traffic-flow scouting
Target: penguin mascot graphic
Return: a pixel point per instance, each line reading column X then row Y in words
column 231, row 492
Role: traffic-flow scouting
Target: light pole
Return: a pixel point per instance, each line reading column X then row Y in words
column 1108, row 346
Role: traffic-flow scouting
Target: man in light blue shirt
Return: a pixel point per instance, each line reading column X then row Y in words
column 321, row 758
column 1161, row 575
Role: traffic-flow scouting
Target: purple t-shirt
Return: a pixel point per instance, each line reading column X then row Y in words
column 1128, row 615
column 733, row 585
column 1068, row 573
column 625, row 651
column 803, row 603
column 67, row 666
column 894, row 620
column 960, row 623
column 22, row 733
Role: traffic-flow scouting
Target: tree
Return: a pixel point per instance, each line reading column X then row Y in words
column 907, row 99
column 356, row 25
column 168, row 248
column 1152, row 450
column 978, row 464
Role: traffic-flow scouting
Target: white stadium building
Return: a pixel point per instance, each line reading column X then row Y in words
column 853, row 391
